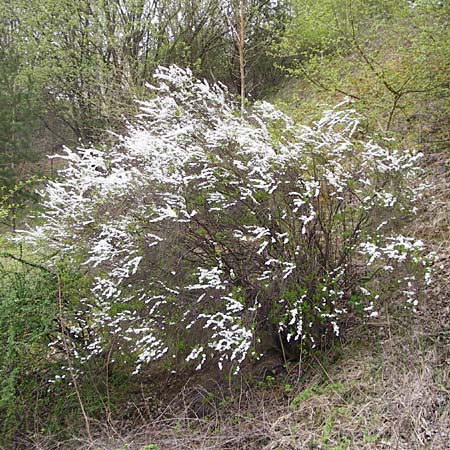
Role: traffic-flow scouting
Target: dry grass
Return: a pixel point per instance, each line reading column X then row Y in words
column 388, row 389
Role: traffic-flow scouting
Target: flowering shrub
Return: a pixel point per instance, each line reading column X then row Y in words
column 211, row 229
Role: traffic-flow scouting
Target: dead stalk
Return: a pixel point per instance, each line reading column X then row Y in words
column 69, row 359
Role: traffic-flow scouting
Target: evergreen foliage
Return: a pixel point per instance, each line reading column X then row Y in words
column 18, row 123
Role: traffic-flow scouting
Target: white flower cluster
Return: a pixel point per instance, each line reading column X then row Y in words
column 204, row 222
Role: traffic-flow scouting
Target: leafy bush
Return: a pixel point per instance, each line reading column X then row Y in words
column 214, row 230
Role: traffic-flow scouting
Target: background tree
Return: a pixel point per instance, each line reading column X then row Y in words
column 93, row 57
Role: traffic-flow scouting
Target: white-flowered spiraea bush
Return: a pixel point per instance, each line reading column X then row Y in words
column 203, row 231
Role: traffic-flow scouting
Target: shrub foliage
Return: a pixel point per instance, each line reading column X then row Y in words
column 203, row 231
